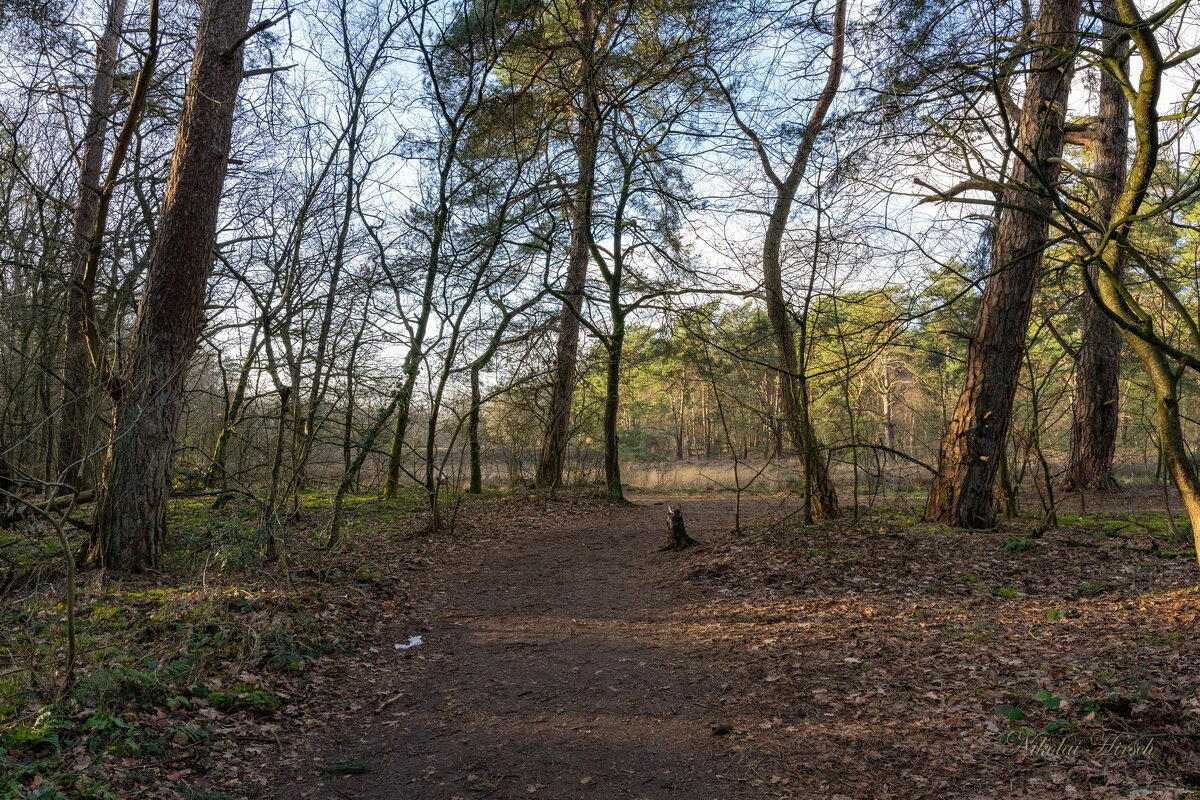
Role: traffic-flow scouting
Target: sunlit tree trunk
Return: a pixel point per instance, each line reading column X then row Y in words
column 793, row 382
column 566, row 352
column 888, row 388
column 962, row 491
column 131, row 514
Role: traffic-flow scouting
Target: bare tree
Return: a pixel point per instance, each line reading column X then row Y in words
column 78, row 378
column 820, row 493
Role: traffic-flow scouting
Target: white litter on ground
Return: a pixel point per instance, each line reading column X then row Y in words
column 413, row 641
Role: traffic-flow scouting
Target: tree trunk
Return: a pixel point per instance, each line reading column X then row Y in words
column 612, row 410
column 679, row 411
column 473, row 418
column 1009, row 492
column 1095, row 411
column 218, row 476
column 677, row 535
column 1160, row 358
column 889, row 420
column 408, row 382
column 962, row 492
column 270, row 511
column 131, row 515
column 819, row 493
column 566, row 354
column 793, row 386
column 1179, row 461
column 1174, row 455
column 78, row 377
column 821, row 498
column 1095, row 405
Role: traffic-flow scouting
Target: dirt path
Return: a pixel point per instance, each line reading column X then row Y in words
column 553, row 666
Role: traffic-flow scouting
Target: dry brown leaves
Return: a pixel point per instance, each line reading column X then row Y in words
column 870, row 662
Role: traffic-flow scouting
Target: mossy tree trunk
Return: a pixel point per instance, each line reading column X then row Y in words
column 1163, row 359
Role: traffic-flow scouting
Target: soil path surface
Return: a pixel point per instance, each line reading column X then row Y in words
column 554, row 664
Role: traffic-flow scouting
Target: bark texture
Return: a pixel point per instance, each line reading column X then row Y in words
column 677, row 535
column 1095, row 413
column 131, row 515
column 1163, row 361
column 612, row 408
column 566, row 352
column 962, row 491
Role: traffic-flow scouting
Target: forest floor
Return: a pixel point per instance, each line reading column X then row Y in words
column 563, row 656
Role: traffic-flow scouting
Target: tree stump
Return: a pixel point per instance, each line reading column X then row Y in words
column 677, row 536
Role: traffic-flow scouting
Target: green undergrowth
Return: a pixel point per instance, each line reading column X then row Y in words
column 1157, row 525
column 158, row 669
column 170, row 665
column 1157, row 533
column 1050, row 719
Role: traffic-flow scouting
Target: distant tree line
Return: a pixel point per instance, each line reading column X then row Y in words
column 255, row 249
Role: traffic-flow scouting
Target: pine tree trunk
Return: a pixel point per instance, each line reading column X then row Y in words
column 962, row 492
column 131, row 514
column 1095, row 407
column 566, row 354
column 1095, row 411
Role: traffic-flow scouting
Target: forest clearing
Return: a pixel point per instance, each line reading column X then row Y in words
column 700, row 399
column 563, row 655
